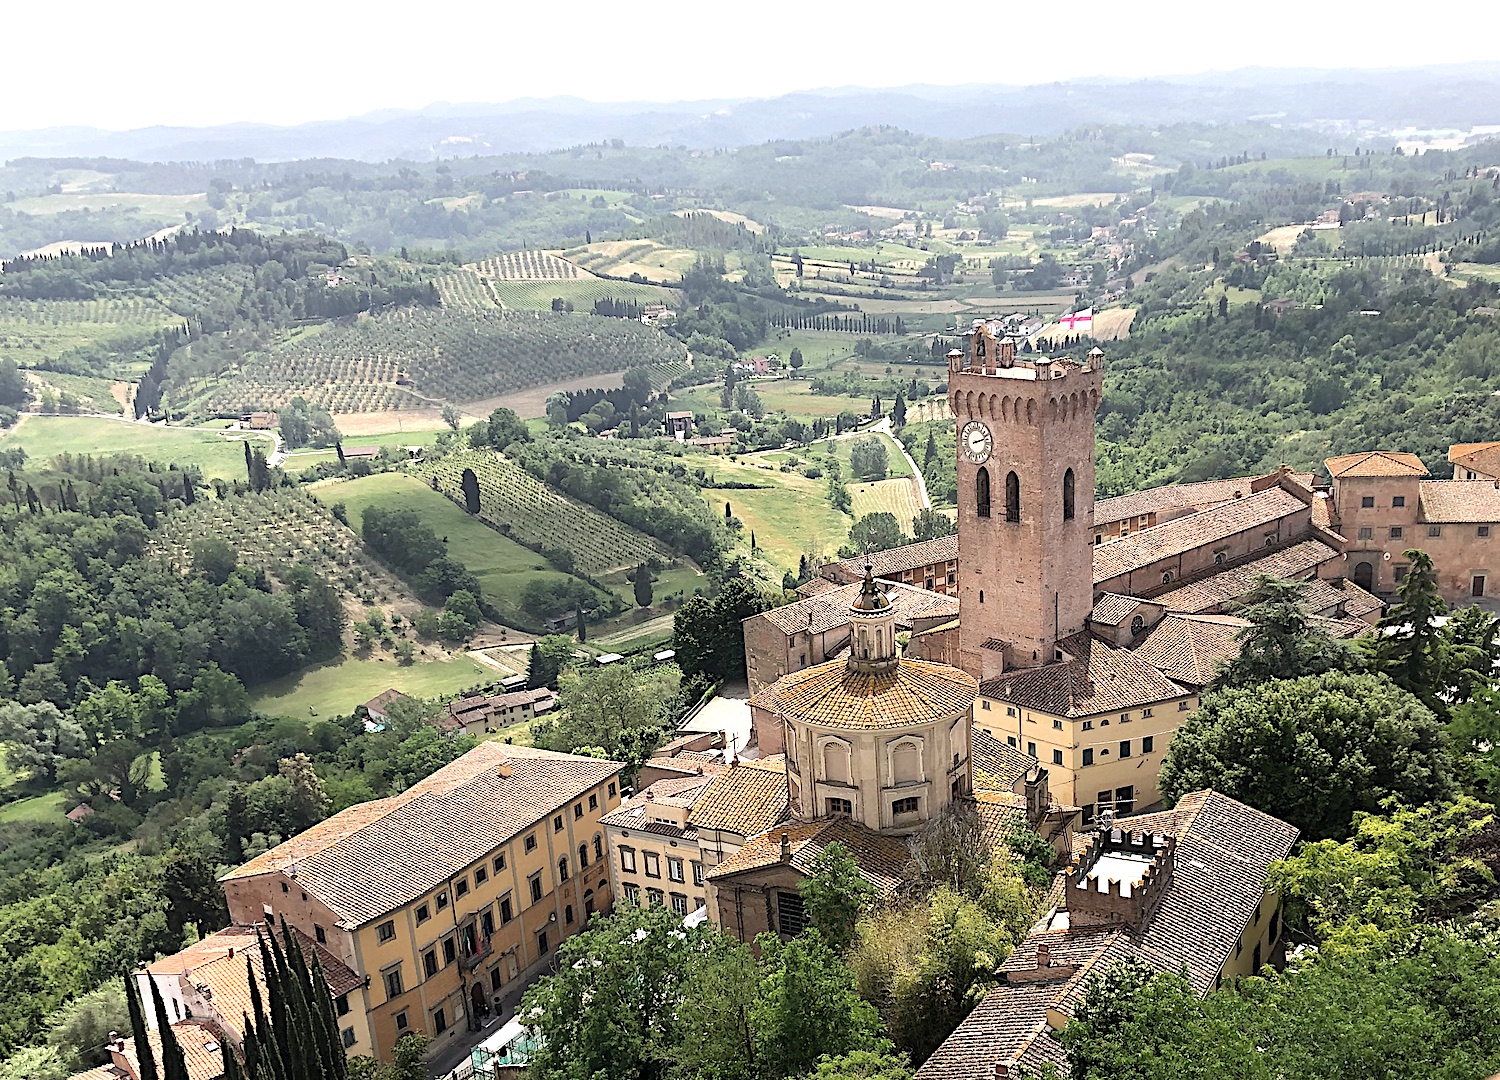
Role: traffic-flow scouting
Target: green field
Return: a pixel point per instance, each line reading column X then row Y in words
column 298, row 460
column 44, row 437
column 790, row 518
column 841, row 448
column 33, row 331
column 40, row 808
column 85, row 392
column 791, row 396
column 335, row 689
column 538, row 295
column 503, row 566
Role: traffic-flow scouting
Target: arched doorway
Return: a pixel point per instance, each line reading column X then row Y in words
column 1364, row 576
column 480, row 1002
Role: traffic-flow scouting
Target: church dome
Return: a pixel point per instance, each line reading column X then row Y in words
column 911, row 693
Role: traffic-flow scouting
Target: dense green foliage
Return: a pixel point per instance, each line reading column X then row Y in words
column 708, row 635
column 1417, row 1006
column 1311, row 750
column 641, row 997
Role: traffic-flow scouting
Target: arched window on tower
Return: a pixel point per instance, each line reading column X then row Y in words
column 1012, row 497
column 982, row 493
column 1068, row 495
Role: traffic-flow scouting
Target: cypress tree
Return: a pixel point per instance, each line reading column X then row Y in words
column 249, row 464
column 144, row 1054
column 173, row 1063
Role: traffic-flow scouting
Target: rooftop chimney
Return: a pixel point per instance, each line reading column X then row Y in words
column 786, row 848
column 1002, row 1070
column 1043, row 955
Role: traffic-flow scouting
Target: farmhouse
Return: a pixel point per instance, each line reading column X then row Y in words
column 679, row 425
column 476, row 714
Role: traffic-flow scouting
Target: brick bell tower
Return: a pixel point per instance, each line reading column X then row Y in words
column 1025, row 501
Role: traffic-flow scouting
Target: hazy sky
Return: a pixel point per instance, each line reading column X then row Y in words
column 132, row 63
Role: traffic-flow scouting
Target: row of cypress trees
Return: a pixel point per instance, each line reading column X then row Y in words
column 293, row 1034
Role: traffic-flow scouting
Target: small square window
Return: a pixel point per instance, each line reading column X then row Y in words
column 320, row 934
column 341, row 1005
column 1010, row 712
column 1057, row 758
column 285, row 887
column 1148, row 744
column 1483, row 530
column 627, row 860
column 1145, row 713
column 1398, row 501
column 1031, row 749
column 461, row 887
column 1366, row 532
column 422, row 913
column 577, row 810
column 557, row 823
column 1367, row 502
column 593, row 802
column 401, row 1022
column 1011, row 740
column 442, row 901
column 507, row 913
column 1434, row 530
column 1088, row 725
column 531, row 842
column 481, row 875
column 985, row 705
column 1397, row 532
column 1182, row 706
column 1057, row 725
column 386, row 931
column 653, row 864
column 348, row 1036
column 675, row 870
column 1088, row 757
column 1124, row 718
column 611, row 789
column 1399, row 573
column 499, row 864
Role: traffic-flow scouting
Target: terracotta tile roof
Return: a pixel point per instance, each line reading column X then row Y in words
column 681, row 791
column 360, row 862
column 218, row 962
column 1211, row 593
column 1112, row 609
column 1101, row 679
column 1322, row 511
column 1483, row 457
column 898, row 560
column 384, row 700
column 998, row 766
column 1189, row 648
column 200, row 1051
column 1224, row 850
column 1141, row 549
column 1459, row 502
column 1358, row 602
column 745, row 799
column 830, row 609
column 881, row 859
column 831, row 695
column 1375, row 463
column 816, row 586
column 1197, row 496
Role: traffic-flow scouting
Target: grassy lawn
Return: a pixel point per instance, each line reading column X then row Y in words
column 503, row 566
column 298, row 460
column 335, row 689
column 45, row 437
column 841, row 448
column 41, row 808
column 789, row 518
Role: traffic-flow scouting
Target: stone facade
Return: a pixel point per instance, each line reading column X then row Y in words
column 1025, row 501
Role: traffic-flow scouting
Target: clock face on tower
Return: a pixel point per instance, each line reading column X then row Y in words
column 976, row 442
